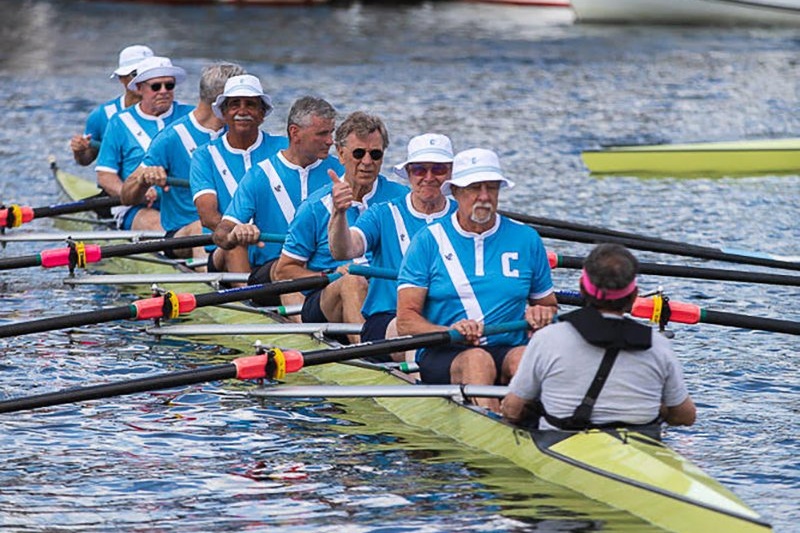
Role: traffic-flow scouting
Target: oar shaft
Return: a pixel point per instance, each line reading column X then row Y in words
column 67, row 321
column 678, row 271
column 276, row 287
column 749, row 322
column 178, row 379
column 191, row 241
column 685, row 250
column 76, row 207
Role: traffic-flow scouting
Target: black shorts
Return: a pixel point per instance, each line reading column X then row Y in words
column 374, row 329
column 434, row 363
column 312, row 313
column 260, row 276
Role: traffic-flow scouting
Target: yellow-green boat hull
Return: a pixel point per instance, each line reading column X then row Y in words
column 741, row 158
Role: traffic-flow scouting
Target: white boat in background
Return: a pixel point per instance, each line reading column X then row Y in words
column 698, row 12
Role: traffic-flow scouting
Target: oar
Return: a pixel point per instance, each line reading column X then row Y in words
column 272, row 365
column 79, row 254
column 656, row 269
column 656, row 245
column 678, row 271
column 650, row 308
column 15, row 215
column 171, row 305
column 662, row 310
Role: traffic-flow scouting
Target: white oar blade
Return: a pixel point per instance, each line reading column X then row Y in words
column 256, row 329
column 149, row 279
column 383, row 391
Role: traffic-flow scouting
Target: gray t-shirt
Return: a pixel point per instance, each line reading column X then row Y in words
column 558, row 367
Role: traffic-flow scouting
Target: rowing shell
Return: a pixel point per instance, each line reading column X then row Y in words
column 626, row 469
column 717, row 159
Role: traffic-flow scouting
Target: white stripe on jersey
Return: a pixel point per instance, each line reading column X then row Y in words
column 278, row 190
column 136, row 130
column 186, row 138
column 403, row 238
column 224, row 171
column 457, row 275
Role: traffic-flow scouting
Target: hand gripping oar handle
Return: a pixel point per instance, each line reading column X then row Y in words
column 272, row 364
column 170, row 305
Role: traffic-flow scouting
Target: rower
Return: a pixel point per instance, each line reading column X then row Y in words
column 471, row 269
column 385, row 230
column 271, row 191
column 130, row 132
column 170, row 154
column 218, row 167
column 361, row 141
column 596, row 368
column 86, row 146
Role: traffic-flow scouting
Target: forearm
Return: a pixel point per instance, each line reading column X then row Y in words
column 133, row 189
column 514, row 408
column 109, row 182
column 341, row 240
column 287, row 268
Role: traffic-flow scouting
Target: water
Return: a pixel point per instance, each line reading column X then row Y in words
column 533, row 87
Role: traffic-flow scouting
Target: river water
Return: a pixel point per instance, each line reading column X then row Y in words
column 522, row 81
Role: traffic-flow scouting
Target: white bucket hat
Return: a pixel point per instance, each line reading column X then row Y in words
column 426, row 148
column 156, row 67
column 474, row 166
column 244, row 85
column 130, row 57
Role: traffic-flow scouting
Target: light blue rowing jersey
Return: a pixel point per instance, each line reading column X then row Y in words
column 487, row 277
column 307, row 240
column 217, row 167
column 173, row 149
column 98, row 119
column 128, row 136
column 270, row 193
column 387, row 230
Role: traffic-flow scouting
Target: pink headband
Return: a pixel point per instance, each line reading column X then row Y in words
column 605, row 294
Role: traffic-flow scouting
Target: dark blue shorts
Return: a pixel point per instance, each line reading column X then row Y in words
column 434, row 363
column 171, row 251
column 312, row 312
column 130, row 214
column 262, row 275
column 374, row 328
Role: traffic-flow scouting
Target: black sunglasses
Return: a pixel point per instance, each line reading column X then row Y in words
column 375, row 154
column 155, row 87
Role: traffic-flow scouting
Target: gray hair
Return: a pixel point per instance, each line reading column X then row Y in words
column 306, row 107
column 610, row 267
column 362, row 125
column 213, row 78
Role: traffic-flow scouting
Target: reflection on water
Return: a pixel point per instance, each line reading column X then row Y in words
column 524, row 82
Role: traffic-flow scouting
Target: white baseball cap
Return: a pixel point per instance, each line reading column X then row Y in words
column 156, row 67
column 130, row 57
column 426, row 148
column 474, row 166
column 243, row 85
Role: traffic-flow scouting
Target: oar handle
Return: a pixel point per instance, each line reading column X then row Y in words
column 178, row 182
column 372, row 272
